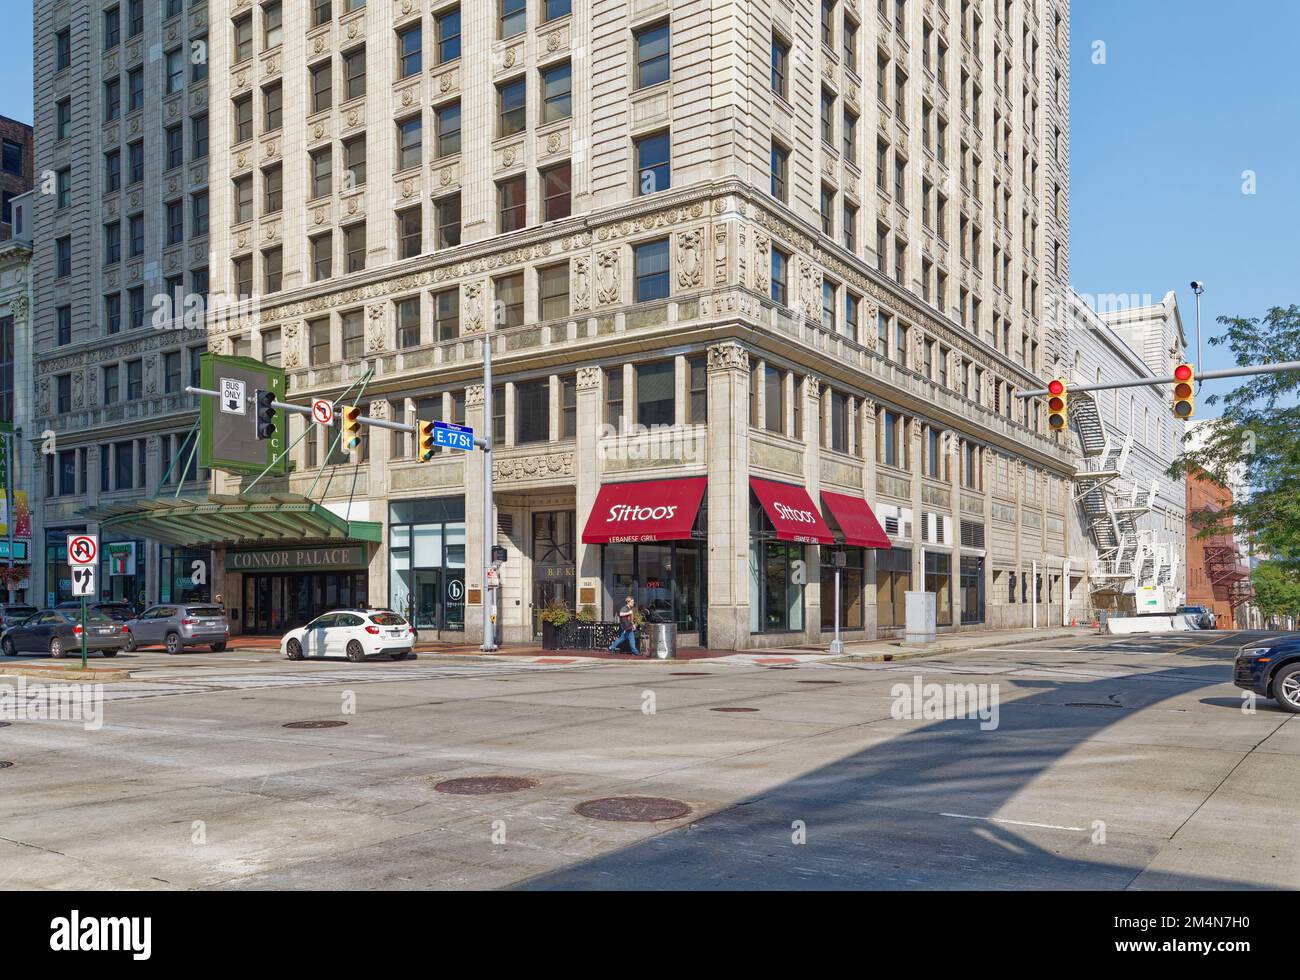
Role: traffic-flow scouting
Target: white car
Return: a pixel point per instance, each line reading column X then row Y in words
column 352, row 633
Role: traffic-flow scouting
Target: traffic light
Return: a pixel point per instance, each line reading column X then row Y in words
column 351, row 427
column 424, row 432
column 1184, row 388
column 265, row 416
column 1058, row 416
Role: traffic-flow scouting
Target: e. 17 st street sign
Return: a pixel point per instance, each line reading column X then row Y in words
column 452, row 436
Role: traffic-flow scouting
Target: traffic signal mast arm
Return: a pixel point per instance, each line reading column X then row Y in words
column 1239, row 372
column 481, row 442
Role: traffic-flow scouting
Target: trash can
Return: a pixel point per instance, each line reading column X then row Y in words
column 663, row 641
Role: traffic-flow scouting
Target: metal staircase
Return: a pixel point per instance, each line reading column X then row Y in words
column 1128, row 558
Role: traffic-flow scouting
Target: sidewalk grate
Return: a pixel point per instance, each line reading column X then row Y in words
column 483, row 785
column 633, row 809
column 314, row 724
column 819, row 682
column 733, row 710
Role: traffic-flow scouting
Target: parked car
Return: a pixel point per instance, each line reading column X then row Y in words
column 352, row 633
column 1205, row 618
column 1271, row 668
column 58, row 632
column 114, row 609
column 180, row 625
column 12, row 615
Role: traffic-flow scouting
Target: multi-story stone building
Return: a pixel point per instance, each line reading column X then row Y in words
column 16, row 400
column 15, row 170
column 1131, row 524
column 754, row 274
column 121, row 124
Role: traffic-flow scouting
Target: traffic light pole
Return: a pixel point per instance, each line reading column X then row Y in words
column 1240, row 372
column 489, row 518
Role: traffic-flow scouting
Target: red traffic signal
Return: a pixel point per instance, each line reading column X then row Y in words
column 1184, row 389
column 1058, row 418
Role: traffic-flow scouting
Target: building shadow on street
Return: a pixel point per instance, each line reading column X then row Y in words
column 908, row 813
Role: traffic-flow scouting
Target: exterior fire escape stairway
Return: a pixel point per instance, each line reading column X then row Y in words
column 1112, row 529
column 1229, row 576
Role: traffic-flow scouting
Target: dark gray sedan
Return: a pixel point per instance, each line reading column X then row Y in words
column 58, row 633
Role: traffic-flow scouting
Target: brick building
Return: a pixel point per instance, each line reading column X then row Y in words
column 16, row 169
column 1217, row 575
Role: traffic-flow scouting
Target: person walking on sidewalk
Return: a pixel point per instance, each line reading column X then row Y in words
column 627, row 628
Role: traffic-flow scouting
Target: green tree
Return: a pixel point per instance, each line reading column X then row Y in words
column 1257, row 439
column 1277, row 590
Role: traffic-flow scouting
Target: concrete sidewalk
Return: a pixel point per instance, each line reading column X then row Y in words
column 866, row 650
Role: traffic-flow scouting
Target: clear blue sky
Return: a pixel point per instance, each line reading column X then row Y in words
column 1192, row 93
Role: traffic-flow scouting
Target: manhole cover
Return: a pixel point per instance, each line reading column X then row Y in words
column 686, row 673
column 633, row 809
column 733, row 710
column 5, row 724
column 5, row 765
column 482, row 785
column 315, row 724
column 783, row 668
column 819, row 682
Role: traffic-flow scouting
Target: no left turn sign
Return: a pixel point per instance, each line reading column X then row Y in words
column 83, row 549
column 322, row 411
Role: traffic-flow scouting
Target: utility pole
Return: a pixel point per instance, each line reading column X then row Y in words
column 1198, row 287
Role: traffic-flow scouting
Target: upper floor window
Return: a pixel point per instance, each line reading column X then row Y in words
column 654, row 163
column 557, row 92
column 650, row 262
column 780, row 67
column 448, row 33
column 513, row 17
column 243, row 38
column 512, row 107
column 409, row 52
column 652, row 55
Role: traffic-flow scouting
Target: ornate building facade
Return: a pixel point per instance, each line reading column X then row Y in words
column 762, row 282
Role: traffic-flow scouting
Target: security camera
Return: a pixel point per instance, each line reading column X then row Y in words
column 1197, row 286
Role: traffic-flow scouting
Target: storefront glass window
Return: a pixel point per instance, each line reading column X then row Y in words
column 58, row 577
column 851, row 578
column 938, row 579
column 122, row 570
column 776, row 577
column 665, row 579
column 972, row 590
column 178, row 572
column 893, row 580
column 426, row 555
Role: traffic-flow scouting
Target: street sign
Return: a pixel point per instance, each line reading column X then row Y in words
column 234, row 396
column 83, row 581
column 452, row 436
column 226, row 440
column 322, row 411
column 498, row 554
column 83, row 549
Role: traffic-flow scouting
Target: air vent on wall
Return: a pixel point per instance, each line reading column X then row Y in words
column 972, row 534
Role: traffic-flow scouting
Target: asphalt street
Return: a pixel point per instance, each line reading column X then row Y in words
column 1108, row 764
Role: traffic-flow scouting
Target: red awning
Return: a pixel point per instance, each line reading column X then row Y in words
column 854, row 516
column 792, row 512
column 653, row 510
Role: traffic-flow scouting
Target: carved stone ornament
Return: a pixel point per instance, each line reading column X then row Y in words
column 589, row 377
column 581, row 283
column 690, row 248
column 473, row 307
column 607, row 277
column 533, row 467
column 728, row 357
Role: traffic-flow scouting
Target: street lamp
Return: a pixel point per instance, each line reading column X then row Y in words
column 1198, row 287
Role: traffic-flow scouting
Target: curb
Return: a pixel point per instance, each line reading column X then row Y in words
column 94, row 675
column 939, row 649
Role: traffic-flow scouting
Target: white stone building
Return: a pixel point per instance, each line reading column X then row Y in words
column 788, row 261
column 122, row 136
column 1131, row 515
column 16, row 392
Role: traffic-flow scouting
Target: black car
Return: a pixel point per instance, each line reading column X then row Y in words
column 58, row 633
column 15, row 613
column 1271, row 668
column 116, row 610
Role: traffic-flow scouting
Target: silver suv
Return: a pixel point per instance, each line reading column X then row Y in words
column 177, row 626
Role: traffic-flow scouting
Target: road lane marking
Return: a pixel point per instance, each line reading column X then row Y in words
column 1014, row 823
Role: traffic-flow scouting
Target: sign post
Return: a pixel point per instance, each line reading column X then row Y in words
column 83, row 555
